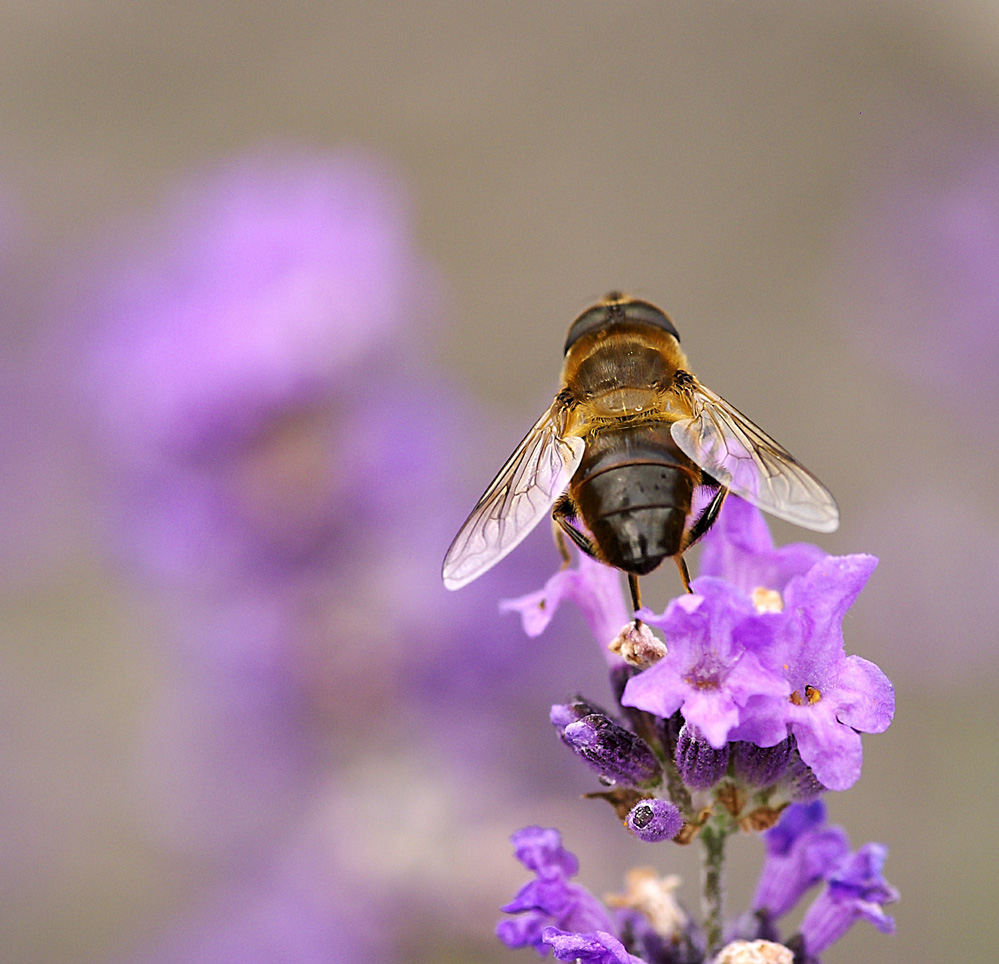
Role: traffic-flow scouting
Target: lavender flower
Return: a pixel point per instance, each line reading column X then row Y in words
column 753, row 703
column 593, row 587
column 233, row 356
column 801, row 850
column 739, row 549
column 569, row 920
column 551, row 898
column 719, row 663
column 738, row 674
column 834, row 697
column 856, row 890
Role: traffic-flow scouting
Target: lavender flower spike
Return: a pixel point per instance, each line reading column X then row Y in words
column 856, row 891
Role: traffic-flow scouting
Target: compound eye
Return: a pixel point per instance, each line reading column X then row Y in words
column 618, row 309
column 593, row 319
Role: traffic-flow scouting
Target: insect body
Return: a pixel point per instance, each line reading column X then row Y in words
column 619, row 456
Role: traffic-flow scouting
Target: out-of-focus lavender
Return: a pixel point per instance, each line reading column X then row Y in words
column 916, row 280
column 282, row 469
column 919, row 282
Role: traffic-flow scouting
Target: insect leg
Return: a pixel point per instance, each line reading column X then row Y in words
column 704, row 522
column 562, row 513
column 636, row 592
column 681, row 564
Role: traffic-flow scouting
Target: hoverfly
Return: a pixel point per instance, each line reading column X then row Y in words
column 617, row 458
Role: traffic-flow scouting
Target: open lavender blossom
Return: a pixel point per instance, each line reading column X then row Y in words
column 855, row 890
column 800, row 851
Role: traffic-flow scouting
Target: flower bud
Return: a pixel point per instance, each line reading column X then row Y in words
column 654, row 820
column 614, row 752
column 562, row 714
column 799, row 780
column 760, row 766
column 699, row 764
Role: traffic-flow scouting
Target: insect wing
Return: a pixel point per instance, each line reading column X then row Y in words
column 743, row 458
column 519, row 497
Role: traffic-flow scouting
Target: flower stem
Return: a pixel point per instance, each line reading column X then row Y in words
column 712, row 838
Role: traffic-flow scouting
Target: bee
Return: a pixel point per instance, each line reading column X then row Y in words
column 632, row 441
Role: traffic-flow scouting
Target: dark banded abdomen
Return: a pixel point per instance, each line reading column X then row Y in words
column 633, row 490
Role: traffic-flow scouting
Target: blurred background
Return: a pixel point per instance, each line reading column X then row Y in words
column 282, row 286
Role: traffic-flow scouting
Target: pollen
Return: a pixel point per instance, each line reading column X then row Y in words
column 812, row 695
column 767, row 600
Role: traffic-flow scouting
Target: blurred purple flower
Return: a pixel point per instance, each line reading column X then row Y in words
column 232, row 367
column 284, row 469
column 293, row 909
column 919, row 275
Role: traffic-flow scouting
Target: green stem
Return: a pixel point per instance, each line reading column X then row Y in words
column 712, row 837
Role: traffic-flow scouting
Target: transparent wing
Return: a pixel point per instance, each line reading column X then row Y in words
column 743, row 458
column 520, row 496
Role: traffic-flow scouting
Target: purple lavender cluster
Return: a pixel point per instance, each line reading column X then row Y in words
column 750, row 711
column 648, row 925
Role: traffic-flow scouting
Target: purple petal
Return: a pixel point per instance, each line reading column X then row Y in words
column 597, row 948
column 865, row 696
column 658, row 690
column 833, row 751
column 540, row 849
column 593, row 587
column 823, row 596
column 801, row 851
column 857, row 891
column 739, row 549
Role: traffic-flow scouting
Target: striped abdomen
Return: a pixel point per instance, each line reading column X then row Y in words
column 633, row 490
